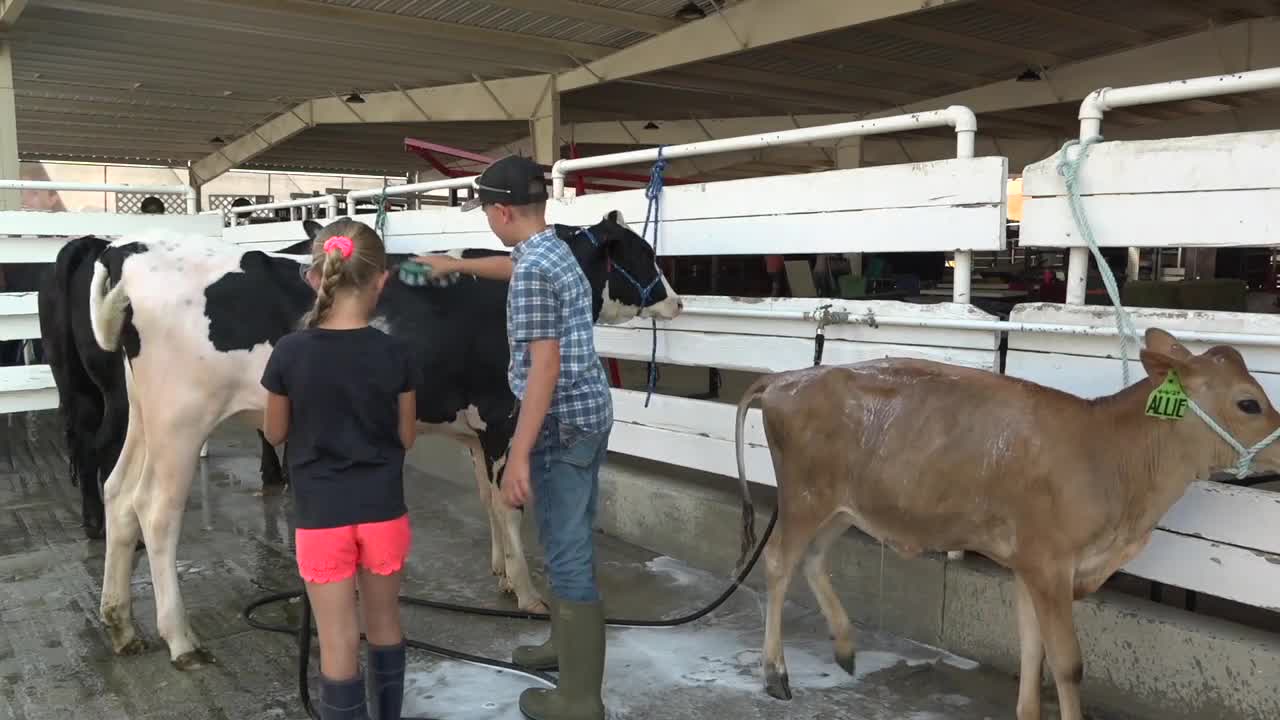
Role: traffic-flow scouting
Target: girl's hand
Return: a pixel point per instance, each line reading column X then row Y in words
column 515, row 481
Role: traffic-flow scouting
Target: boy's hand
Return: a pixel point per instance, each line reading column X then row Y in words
column 515, row 480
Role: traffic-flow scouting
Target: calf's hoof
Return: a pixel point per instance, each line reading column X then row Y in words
column 193, row 659
column 94, row 531
column 846, row 662
column 777, row 685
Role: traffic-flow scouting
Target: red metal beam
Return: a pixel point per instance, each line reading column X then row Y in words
column 428, row 151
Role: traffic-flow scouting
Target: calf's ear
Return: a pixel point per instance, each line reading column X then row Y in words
column 1158, row 364
column 311, row 227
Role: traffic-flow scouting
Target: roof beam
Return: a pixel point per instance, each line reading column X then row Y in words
column 1245, row 45
column 503, row 99
column 749, row 25
column 1071, row 19
column 810, row 52
column 316, row 22
column 9, row 12
column 956, row 41
column 640, row 22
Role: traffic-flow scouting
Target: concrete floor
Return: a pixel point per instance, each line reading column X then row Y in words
column 55, row 661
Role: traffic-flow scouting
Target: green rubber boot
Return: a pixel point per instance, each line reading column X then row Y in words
column 580, row 638
column 540, row 657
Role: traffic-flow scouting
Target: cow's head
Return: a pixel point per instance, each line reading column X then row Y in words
column 1220, row 383
column 623, row 271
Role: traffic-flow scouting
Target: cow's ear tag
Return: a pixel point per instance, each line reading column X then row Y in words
column 1168, row 401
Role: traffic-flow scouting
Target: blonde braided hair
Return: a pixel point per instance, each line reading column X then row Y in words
column 353, row 261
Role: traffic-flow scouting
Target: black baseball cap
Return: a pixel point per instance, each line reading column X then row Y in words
column 513, row 180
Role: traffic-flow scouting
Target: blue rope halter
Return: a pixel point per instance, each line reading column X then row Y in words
column 654, row 194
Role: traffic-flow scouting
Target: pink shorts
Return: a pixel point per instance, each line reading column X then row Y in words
column 331, row 554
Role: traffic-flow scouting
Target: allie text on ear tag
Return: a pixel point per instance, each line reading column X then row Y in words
column 1169, row 400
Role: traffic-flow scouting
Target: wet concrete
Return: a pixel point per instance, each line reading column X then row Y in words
column 56, row 662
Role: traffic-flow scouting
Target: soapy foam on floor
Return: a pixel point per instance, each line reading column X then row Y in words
column 720, row 653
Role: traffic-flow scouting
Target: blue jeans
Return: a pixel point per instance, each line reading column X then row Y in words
column 564, row 470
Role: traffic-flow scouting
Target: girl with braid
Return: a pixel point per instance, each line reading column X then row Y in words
column 342, row 394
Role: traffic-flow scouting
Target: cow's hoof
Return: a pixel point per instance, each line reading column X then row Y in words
column 537, row 607
column 194, row 659
column 505, row 586
column 846, row 662
column 777, row 685
column 134, row 646
column 94, row 531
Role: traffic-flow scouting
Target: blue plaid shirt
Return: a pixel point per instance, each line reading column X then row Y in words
column 549, row 297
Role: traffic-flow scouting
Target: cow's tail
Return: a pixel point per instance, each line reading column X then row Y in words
column 106, row 308
column 748, row 509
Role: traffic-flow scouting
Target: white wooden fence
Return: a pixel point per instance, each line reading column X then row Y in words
column 1221, row 540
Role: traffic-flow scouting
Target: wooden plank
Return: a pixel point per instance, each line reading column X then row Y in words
column 1091, row 377
column 1223, row 513
column 703, row 418
column 270, row 236
column 1205, row 191
column 1242, row 218
column 690, row 451
column 1225, row 571
column 27, row 387
column 1227, row 161
column 698, row 316
column 19, row 316
column 69, row 224
column 938, row 206
column 1259, row 358
column 760, row 353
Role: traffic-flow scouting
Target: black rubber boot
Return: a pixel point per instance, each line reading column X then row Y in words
column 540, row 657
column 386, row 668
column 343, row 700
column 580, row 639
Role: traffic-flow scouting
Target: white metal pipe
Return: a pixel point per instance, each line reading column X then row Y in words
column 392, row 190
column 331, row 208
column 992, row 325
column 193, row 200
column 283, row 204
column 962, row 277
column 1099, row 101
column 1077, row 274
column 957, row 116
column 94, row 187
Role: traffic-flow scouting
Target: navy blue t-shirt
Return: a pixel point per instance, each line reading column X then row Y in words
column 346, row 462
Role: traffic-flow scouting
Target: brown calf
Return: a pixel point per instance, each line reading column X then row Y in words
column 926, row 456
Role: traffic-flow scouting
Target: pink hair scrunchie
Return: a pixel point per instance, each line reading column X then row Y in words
column 342, row 243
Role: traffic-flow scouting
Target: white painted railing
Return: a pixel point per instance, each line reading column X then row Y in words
column 35, row 237
column 329, row 202
column 1190, row 192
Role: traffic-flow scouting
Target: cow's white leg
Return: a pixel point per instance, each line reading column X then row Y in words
column 497, row 563
column 121, row 488
column 169, row 473
column 517, row 566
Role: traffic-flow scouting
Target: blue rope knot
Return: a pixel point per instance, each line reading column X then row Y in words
column 1069, row 169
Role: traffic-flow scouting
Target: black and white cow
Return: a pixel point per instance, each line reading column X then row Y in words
column 90, row 381
column 198, row 318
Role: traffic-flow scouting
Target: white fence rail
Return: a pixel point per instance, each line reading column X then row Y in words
column 35, row 237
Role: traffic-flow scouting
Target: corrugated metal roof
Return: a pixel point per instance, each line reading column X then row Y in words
column 157, row 80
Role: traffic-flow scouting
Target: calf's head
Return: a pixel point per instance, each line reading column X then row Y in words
column 1220, row 383
column 623, row 271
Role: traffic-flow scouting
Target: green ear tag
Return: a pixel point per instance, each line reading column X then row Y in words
column 1169, row 401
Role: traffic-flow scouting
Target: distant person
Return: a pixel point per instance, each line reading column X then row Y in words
column 152, row 205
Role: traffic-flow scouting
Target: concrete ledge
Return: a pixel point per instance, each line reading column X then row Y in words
column 1142, row 659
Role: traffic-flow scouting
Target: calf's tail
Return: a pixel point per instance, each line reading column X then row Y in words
column 748, row 509
column 106, row 308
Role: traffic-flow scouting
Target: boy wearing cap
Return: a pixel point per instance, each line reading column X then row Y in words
column 562, row 432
